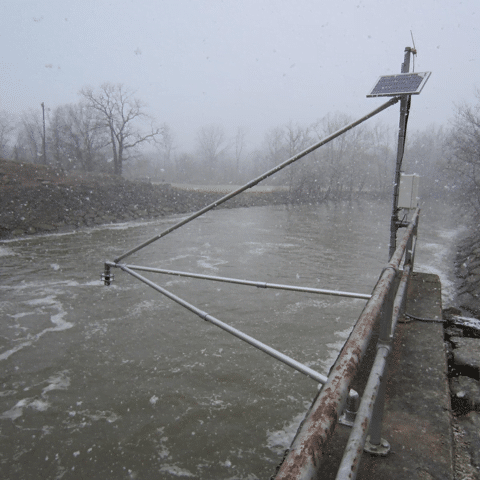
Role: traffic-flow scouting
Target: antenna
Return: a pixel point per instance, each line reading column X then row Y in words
column 414, row 51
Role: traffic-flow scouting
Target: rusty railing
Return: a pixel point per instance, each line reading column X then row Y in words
column 385, row 306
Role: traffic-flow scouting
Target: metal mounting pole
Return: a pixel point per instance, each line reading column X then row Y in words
column 402, row 131
column 375, row 444
column 44, row 149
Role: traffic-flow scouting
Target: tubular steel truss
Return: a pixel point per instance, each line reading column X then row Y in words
column 306, row 452
column 108, row 277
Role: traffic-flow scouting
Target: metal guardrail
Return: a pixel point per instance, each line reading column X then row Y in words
column 385, row 306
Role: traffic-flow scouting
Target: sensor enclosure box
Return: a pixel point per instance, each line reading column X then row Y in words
column 408, row 191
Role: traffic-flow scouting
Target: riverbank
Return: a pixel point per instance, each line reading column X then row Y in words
column 467, row 269
column 462, row 341
column 39, row 199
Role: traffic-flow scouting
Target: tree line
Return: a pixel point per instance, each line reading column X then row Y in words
column 98, row 133
column 108, row 130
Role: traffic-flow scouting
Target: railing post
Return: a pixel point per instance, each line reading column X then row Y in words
column 409, row 263
column 375, row 444
column 410, row 250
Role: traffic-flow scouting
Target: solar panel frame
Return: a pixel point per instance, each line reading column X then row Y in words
column 399, row 84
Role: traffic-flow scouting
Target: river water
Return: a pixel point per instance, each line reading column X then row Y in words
column 120, row 382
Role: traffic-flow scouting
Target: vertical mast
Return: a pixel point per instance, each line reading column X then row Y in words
column 402, row 131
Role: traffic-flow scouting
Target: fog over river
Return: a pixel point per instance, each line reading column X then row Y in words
column 120, row 382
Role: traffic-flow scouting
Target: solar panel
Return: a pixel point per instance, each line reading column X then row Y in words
column 400, row 84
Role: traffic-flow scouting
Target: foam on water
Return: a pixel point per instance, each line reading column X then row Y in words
column 257, row 248
column 175, row 470
column 6, row 252
column 57, row 382
column 60, row 381
column 279, row 440
column 17, row 410
column 210, row 263
column 334, row 349
column 439, row 262
column 98, row 415
column 50, row 286
column 58, row 319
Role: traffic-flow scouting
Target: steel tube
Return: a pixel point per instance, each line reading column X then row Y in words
column 237, row 333
column 396, row 258
column 399, row 304
column 384, row 338
column 402, row 132
column 251, row 283
column 267, row 174
column 354, row 449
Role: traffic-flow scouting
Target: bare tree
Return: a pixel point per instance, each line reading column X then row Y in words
column 212, row 147
column 463, row 145
column 333, row 155
column 120, row 113
column 77, row 137
column 296, row 139
column 167, row 145
column 239, row 143
column 7, row 127
column 186, row 169
column 424, row 155
column 272, row 153
column 28, row 147
column 382, row 158
column 346, row 161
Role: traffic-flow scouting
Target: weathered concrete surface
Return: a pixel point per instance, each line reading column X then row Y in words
column 467, row 352
column 417, row 419
column 468, row 389
column 471, row 425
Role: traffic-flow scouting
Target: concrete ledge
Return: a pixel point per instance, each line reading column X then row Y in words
column 418, row 420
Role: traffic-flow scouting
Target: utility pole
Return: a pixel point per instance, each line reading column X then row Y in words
column 402, row 131
column 44, row 153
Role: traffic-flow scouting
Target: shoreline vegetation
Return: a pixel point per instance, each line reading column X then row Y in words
column 40, row 199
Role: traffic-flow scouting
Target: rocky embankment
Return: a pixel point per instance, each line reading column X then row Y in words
column 467, row 267
column 39, row 199
column 462, row 335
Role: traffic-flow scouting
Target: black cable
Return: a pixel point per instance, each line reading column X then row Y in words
column 420, row 319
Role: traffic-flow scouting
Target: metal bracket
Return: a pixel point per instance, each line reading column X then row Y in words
column 351, row 408
column 107, row 276
column 380, row 450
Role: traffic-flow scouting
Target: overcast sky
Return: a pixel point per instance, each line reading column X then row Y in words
column 251, row 63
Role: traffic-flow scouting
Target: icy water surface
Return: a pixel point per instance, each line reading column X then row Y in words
column 119, row 382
